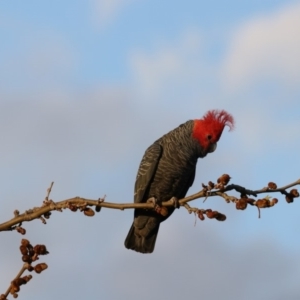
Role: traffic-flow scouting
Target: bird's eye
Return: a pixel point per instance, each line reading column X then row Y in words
column 209, row 137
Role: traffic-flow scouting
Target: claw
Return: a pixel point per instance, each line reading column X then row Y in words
column 152, row 200
column 175, row 202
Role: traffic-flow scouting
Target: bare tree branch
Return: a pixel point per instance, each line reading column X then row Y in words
column 82, row 204
column 30, row 255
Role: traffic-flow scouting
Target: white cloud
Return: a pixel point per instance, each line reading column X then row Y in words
column 266, row 47
column 40, row 58
column 207, row 260
column 50, row 52
column 107, row 10
column 58, row 124
column 175, row 78
column 171, row 67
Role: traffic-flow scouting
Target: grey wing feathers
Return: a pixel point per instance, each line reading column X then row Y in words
column 146, row 171
column 192, row 178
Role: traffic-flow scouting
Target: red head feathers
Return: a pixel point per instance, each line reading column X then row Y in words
column 208, row 130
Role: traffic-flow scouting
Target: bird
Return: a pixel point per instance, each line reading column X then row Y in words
column 167, row 171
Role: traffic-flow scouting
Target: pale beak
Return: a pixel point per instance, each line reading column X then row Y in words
column 212, row 148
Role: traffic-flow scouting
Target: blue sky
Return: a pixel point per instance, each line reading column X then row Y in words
column 87, row 86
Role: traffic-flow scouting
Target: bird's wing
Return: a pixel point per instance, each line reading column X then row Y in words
column 146, row 171
column 192, row 178
column 189, row 183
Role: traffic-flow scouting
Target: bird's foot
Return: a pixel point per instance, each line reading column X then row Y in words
column 175, row 201
column 152, row 200
column 161, row 210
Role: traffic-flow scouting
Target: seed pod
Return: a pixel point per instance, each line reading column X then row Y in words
column 27, row 258
column 200, row 215
column 220, row 217
column 211, row 214
column 14, row 289
column 289, row 198
column 294, row 193
column 40, row 250
column 21, row 230
column 73, row 207
column 40, row 267
column 272, row 185
column 273, row 201
column 23, row 250
column 224, row 179
column 25, row 242
column 211, row 184
column 89, row 212
column 18, row 282
column 262, row 203
column 241, row 204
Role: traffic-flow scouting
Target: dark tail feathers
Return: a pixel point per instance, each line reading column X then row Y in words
column 141, row 244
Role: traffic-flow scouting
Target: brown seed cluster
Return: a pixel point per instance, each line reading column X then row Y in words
column 31, row 253
column 16, row 283
column 243, row 202
column 220, row 185
column 264, row 203
column 72, row 207
column 83, row 208
column 289, row 197
column 211, row 214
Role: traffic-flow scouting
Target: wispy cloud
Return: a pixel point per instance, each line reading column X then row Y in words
column 265, row 47
column 35, row 58
column 172, row 65
column 106, row 11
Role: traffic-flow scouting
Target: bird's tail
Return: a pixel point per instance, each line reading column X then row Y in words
column 139, row 243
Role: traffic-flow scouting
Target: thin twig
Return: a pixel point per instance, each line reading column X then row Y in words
column 266, row 189
column 49, row 191
column 23, row 269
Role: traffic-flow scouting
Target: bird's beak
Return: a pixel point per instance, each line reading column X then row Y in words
column 212, row 148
